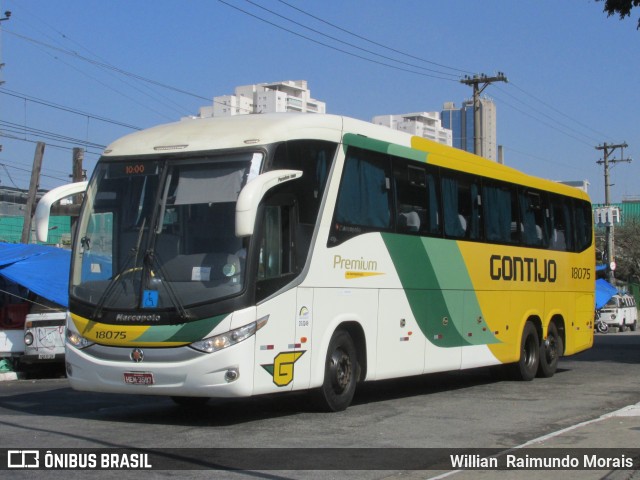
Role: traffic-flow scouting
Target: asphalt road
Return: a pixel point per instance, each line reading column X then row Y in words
column 456, row 410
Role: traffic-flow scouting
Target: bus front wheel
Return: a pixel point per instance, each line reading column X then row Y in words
column 527, row 367
column 340, row 370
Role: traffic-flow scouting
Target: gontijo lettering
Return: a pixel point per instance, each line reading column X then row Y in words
column 522, row 269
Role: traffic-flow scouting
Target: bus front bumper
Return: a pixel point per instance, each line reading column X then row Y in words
column 179, row 371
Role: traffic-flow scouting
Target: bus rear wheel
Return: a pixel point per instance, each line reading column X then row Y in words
column 341, row 364
column 527, row 367
column 550, row 352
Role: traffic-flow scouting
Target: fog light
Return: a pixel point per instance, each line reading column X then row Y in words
column 232, row 375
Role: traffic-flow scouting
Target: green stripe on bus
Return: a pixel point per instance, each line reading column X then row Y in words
column 184, row 332
column 439, row 290
column 367, row 143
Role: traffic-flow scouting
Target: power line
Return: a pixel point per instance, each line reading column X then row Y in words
column 106, row 66
column 347, row 43
column 600, row 134
column 372, row 41
column 16, row 128
column 66, row 38
column 333, row 47
column 66, row 109
column 26, row 170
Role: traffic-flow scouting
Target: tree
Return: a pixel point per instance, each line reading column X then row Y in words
column 620, row 7
column 627, row 250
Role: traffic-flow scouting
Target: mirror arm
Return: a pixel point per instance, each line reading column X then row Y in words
column 253, row 192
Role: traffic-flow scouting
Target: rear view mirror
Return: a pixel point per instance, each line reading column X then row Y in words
column 252, row 193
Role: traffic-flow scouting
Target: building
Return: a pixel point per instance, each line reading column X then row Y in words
column 421, row 124
column 579, row 184
column 628, row 209
column 286, row 96
column 461, row 122
column 13, row 202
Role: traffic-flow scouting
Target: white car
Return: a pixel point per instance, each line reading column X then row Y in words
column 620, row 312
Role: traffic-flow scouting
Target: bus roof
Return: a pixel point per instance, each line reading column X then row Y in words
column 203, row 134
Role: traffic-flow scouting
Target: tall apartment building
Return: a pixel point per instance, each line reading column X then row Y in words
column 287, row 96
column 461, row 121
column 421, row 124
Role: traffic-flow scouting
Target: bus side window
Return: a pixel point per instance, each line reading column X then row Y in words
column 584, row 222
column 562, row 224
column 364, row 198
column 533, row 207
column 461, row 205
column 416, row 199
column 501, row 223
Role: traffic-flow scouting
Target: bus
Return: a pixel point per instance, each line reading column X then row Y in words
column 253, row 254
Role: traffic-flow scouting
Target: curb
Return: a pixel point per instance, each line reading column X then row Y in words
column 8, row 376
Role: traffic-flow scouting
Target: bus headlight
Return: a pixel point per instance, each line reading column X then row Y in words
column 77, row 340
column 224, row 340
column 28, row 338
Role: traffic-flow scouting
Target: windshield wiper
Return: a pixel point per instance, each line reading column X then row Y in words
column 133, row 254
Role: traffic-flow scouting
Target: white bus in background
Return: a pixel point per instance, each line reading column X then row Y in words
column 44, row 339
column 621, row 312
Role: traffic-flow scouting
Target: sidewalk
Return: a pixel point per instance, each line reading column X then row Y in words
column 8, row 376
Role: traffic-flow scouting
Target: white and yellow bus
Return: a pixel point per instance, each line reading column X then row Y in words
column 229, row 257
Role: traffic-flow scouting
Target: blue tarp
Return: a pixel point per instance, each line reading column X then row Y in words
column 42, row 269
column 604, row 291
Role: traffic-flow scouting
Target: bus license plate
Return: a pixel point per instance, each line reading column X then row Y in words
column 46, row 356
column 137, row 378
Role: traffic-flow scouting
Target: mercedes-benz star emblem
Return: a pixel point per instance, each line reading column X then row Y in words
column 137, row 355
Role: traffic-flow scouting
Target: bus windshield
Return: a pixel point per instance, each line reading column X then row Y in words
column 160, row 234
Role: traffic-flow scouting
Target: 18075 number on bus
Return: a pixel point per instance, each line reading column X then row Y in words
column 580, row 273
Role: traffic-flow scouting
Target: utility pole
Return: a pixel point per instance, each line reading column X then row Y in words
column 608, row 150
column 6, row 17
column 77, row 175
column 479, row 83
column 33, row 192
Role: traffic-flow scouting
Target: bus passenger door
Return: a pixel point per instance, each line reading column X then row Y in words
column 276, row 352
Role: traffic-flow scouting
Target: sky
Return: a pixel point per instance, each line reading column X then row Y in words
column 82, row 73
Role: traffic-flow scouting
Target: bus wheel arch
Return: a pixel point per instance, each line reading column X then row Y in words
column 558, row 321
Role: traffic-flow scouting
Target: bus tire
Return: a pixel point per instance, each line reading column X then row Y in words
column 527, row 367
column 550, row 352
column 340, row 370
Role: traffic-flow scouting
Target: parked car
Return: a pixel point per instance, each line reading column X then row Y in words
column 621, row 312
